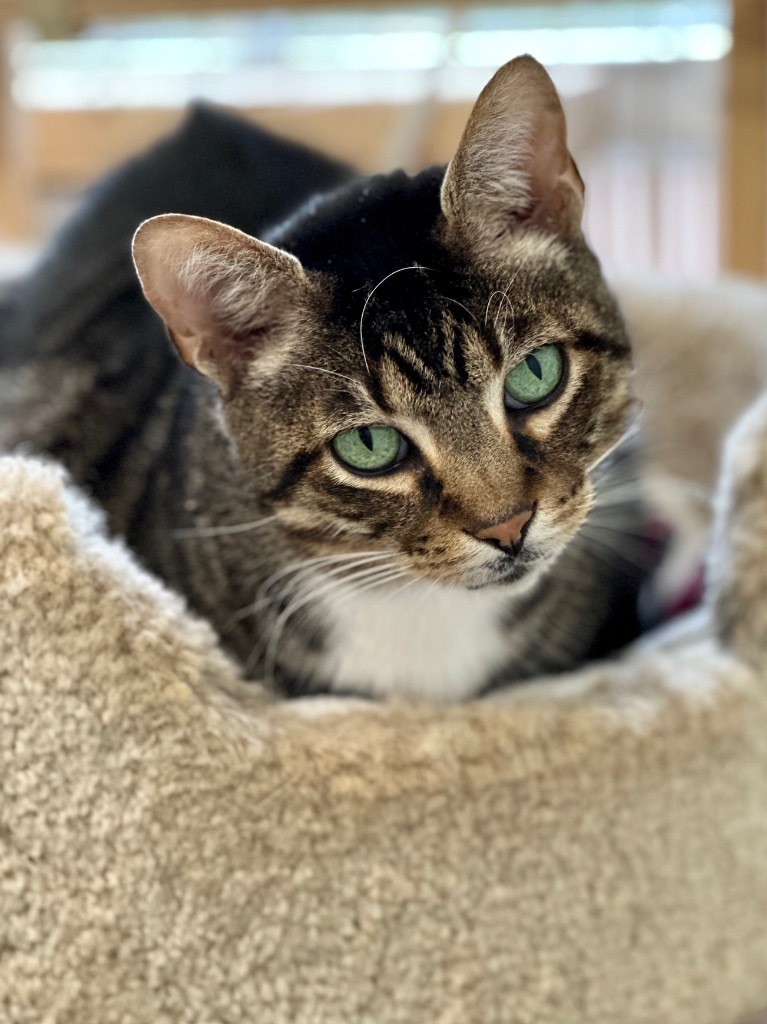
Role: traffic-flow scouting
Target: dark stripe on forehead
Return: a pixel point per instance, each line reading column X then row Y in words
column 521, row 324
column 409, row 369
column 296, row 469
column 459, row 359
column 493, row 346
column 373, row 385
column 605, row 346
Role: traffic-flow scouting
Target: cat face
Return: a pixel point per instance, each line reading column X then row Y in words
column 428, row 366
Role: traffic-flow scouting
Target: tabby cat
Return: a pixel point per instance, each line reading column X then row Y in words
column 372, row 465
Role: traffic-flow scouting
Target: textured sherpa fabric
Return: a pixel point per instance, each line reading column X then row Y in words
column 593, row 851
column 174, row 848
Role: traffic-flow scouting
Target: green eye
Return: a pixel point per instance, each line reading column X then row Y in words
column 370, row 449
column 535, row 378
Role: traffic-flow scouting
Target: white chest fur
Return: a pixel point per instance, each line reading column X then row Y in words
column 432, row 642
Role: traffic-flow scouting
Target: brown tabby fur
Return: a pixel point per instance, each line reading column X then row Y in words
column 314, row 333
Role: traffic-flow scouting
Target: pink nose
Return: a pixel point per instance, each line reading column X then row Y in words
column 509, row 532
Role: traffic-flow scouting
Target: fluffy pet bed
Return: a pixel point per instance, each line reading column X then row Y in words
column 587, row 850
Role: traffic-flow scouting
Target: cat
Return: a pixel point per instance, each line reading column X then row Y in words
column 372, row 465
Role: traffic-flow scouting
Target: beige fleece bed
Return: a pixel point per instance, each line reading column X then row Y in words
column 590, row 850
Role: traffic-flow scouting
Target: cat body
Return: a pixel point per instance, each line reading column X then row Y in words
column 391, row 310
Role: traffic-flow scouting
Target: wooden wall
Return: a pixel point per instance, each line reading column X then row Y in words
column 745, row 171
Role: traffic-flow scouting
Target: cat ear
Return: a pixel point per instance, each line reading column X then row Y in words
column 512, row 168
column 223, row 295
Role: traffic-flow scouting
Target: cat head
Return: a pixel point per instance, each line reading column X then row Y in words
column 427, row 366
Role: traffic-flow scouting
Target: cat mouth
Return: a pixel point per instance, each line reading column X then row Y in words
column 509, row 571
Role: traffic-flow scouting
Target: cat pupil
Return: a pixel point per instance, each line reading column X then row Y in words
column 534, row 366
column 367, row 438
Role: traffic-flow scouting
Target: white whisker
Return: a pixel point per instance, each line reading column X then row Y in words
column 616, row 492
column 343, row 558
column 383, row 280
column 300, row 602
column 487, row 307
column 297, row 570
column 602, row 527
column 221, row 531
column 331, row 373
column 336, row 573
column 405, row 585
column 509, row 306
column 355, row 590
column 457, row 303
column 599, row 545
column 631, row 431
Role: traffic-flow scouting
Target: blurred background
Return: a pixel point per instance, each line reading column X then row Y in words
column 666, row 101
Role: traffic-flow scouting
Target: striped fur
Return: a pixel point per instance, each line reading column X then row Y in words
column 381, row 302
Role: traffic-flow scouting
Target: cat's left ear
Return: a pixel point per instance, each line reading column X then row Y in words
column 512, row 169
column 225, row 297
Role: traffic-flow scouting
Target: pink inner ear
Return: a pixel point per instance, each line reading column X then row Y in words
column 185, row 300
column 222, row 294
column 513, row 166
column 205, row 341
column 226, row 315
column 555, row 185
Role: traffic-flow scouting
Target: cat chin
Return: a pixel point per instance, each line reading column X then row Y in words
column 519, row 577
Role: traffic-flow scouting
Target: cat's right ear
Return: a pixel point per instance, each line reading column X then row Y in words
column 225, row 297
column 513, row 171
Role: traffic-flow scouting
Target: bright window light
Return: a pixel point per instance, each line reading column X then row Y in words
column 339, row 57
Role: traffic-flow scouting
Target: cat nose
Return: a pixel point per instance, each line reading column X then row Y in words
column 509, row 533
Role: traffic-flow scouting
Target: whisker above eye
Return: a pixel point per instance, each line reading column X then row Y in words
column 414, row 266
column 504, row 296
column 447, row 298
column 509, row 307
column 331, row 373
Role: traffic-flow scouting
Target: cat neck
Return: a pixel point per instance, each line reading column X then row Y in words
column 426, row 641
